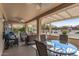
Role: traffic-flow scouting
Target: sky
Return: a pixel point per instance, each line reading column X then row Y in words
column 67, row 22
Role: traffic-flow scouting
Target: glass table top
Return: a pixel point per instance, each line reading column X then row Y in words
column 62, row 48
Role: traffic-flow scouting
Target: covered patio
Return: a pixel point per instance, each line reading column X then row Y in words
column 32, row 19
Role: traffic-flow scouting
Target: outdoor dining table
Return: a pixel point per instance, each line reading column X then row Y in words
column 61, row 48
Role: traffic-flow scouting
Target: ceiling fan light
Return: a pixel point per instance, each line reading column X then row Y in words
column 22, row 21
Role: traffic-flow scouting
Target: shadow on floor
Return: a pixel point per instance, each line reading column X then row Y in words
column 20, row 51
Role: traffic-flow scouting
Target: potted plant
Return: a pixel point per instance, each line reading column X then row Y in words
column 64, row 32
column 64, row 37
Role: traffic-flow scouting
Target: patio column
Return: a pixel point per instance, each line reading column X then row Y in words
column 38, row 29
column 50, row 28
column 26, row 28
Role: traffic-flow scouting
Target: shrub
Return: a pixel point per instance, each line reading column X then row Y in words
column 64, row 32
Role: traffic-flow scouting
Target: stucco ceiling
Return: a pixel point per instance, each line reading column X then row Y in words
column 60, row 15
column 25, row 11
column 64, row 14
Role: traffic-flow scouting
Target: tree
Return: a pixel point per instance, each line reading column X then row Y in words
column 45, row 27
column 22, row 29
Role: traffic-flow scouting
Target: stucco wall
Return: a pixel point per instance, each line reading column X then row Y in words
column 1, row 30
column 1, row 40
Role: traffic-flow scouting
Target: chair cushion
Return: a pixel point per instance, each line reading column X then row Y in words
column 34, row 46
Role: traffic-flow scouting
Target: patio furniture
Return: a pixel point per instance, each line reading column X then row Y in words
column 63, row 39
column 43, row 37
column 41, row 48
column 62, row 49
column 30, row 40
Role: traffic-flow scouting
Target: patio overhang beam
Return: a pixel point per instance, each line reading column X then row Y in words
column 59, row 7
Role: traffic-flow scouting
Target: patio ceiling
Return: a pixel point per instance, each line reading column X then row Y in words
column 59, row 15
column 64, row 14
column 23, row 12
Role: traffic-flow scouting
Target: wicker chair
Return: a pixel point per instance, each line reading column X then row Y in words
column 63, row 39
column 30, row 40
column 43, row 38
column 41, row 48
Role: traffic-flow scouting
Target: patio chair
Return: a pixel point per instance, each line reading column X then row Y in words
column 63, row 39
column 43, row 37
column 42, row 49
column 30, row 40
